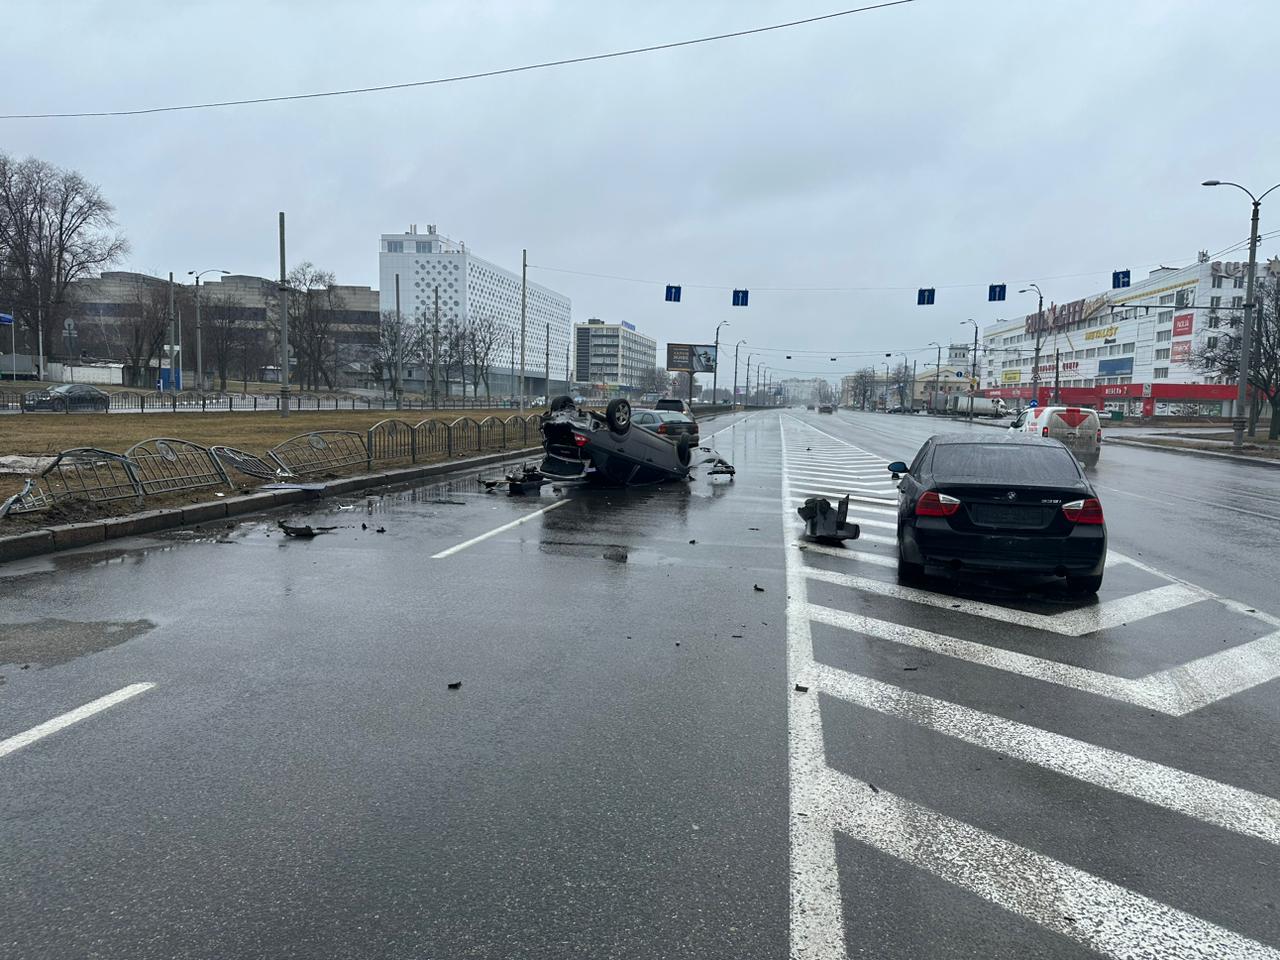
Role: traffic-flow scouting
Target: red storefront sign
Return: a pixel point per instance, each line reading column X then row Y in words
column 1096, row 396
column 1182, row 325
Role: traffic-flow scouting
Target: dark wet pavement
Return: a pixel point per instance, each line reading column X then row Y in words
column 625, row 770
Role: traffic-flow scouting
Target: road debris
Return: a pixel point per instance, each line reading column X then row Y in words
column 757, row 588
column 801, row 688
column 822, row 524
column 456, row 685
column 304, row 530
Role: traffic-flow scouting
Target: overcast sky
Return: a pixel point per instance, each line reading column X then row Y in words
column 940, row 143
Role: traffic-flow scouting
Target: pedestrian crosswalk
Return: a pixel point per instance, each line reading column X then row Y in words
column 1104, row 916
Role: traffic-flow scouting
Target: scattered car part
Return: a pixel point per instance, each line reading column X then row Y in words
column 824, row 524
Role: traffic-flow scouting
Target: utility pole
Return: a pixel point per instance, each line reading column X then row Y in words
column 973, row 379
column 435, row 355
column 937, row 374
column 1246, row 333
column 568, row 386
column 199, row 343
column 1035, row 364
column 546, row 389
column 733, row 401
column 173, row 322
column 399, row 347
column 284, row 329
column 524, row 293
column 913, row 387
column 1057, row 373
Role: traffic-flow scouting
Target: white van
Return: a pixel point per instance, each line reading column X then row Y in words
column 1077, row 427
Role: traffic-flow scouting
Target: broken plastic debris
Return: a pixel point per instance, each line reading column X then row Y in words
column 801, row 688
column 456, row 685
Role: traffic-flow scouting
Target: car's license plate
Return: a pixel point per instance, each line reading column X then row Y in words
column 995, row 515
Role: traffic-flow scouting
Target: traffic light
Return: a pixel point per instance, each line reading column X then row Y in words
column 739, row 298
column 996, row 291
column 673, row 293
column 1119, row 278
column 924, row 297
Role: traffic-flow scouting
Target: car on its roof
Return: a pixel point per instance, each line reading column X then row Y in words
column 1010, row 504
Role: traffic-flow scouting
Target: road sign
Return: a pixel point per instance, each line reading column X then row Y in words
column 1119, row 278
column 5, row 319
column 924, row 296
column 673, row 293
column 740, row 298
column 996, row 291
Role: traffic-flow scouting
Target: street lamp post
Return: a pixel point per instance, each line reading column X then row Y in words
column 886, row 386
column 937, row 372
column 715, row 371
column 1242, row 391
column 974, row 376
column 747, row 395
column 1035, row 363
column 733, row 401
column 199, row 343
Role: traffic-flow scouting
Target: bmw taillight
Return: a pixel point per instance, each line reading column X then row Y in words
column 1083, row 511
column 932, row 504
column 580, row 440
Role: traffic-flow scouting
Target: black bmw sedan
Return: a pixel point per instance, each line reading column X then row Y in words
column 1010, row 504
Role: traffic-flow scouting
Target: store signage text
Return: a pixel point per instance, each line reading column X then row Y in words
column 1102, row 333
column 1182, row 325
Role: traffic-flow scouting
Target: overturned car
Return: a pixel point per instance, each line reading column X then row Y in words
column 582, row 444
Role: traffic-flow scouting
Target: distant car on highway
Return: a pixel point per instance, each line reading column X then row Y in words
column 67, row 396
column 1015, row 505
column 669, row 423
column 826, row 408
column 1078, row 428
column 673, row 403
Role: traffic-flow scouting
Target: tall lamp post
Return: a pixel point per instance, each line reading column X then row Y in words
column 1035, row 363
column 937, row 372
column 746, row 397
column 715, row 371
column 733, row 401
column 199, row 344
column 1242, row 391
column 973, row 379
column 886, row 386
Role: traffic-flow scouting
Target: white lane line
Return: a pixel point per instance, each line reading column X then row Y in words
column 816, row 910
column 869, row 485
column 1232, row 808
column 847, row 553
column 1176, row 691
column 863, row 516
column 1074, row 623
column 1103, row 916
column 61, row 722
column 813, row 489
column 496, row 530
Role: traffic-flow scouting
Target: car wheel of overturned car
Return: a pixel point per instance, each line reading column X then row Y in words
column 560, row 403
column 618, row 414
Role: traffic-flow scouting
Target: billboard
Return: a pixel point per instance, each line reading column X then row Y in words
column 691, row 357
column 1182, row 325
column 1010, row 376
column 1116, row 367
column 1180, row 351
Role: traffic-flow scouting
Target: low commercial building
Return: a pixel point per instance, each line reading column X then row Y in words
column 612, row 356
column 1130, row 349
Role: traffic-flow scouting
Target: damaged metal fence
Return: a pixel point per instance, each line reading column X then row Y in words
column 166, row 465
column 391, row 440
column 321, row 450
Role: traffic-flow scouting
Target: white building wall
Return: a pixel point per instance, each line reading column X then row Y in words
column 471, row 286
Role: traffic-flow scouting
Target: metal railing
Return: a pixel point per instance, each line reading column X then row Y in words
column 189, row 401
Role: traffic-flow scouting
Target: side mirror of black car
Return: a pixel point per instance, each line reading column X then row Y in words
column 897, row 468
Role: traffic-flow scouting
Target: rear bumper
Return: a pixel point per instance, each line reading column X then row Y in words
column 931, row 542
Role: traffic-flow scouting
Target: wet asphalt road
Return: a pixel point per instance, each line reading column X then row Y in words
column 626, row 770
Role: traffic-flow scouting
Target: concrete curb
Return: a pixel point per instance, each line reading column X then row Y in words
column 1125, row 441
column 30, row 543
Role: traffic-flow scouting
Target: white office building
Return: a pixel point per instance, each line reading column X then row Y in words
column 1129, row 349
column 470, row 286
column 612, row 356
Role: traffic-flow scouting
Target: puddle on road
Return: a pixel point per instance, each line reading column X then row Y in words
column 50, row 642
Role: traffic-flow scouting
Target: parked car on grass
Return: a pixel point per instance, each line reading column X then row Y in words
column 67, row 396
column 1014, row 505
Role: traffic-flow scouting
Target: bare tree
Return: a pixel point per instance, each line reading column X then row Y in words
column 1219, row 353
column 55, row 228
column 484, row 338
column 314, row 304
column 399, row 341
column 225, row 329
column 144, row 328
column 654, row 380
column 862, row 387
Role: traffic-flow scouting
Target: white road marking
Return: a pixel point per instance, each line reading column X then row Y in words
column 61, row 722
column 1103, row 916
column 813, row 489
column 1231, row 808
column 496, row 530
column 848, row 553
column 1072, row 623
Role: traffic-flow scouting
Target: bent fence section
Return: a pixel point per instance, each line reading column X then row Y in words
column 165, row 465
column 321, row 450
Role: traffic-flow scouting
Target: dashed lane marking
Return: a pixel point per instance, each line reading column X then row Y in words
column 457, row 548
column 62, row 721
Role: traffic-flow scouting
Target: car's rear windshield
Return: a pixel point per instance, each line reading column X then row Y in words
column 1004, row 463
column 669, row 405
column 672, row 416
